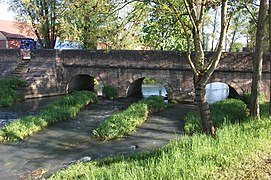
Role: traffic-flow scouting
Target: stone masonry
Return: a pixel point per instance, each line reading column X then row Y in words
column 49, row 72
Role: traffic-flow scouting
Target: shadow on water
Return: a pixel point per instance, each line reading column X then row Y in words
column 27, row 107
column 66, row 142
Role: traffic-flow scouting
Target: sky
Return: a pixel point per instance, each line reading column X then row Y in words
column 4, row 13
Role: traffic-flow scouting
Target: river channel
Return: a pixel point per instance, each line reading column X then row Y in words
column 68, row 142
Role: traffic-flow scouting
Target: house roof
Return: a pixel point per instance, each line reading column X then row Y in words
column 16, row 30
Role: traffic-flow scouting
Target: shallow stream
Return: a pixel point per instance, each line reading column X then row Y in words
column 68, row 142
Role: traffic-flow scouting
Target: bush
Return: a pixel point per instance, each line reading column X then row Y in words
column 227, row 111
column 54, row 112
column 148, row 80
column 110, row 92
column 247, row 96
column 126, row 121
column 8, row 91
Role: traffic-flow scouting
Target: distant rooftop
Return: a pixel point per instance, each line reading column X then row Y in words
column 16, row 30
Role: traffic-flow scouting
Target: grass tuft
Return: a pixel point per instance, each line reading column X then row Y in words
column 229, row 156
column 8, row 91
column 54, row 112
column 126, row 121
column 223, row 112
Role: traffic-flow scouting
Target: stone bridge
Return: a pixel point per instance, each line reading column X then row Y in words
column 54, row 72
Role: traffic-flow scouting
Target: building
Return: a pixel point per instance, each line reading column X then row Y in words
column 13, row 32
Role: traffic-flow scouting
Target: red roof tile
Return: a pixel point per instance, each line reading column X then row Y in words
column 14, row 29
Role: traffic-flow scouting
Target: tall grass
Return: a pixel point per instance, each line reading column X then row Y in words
column 227, row 111
column 54, row 112
column 126, row 121
column 110, row 92
column 8, row 90
column 230, row 156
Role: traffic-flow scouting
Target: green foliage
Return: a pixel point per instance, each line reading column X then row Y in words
column 89, row 22
column 110, row 92
column 246, row 98
column 148, row 80
column 44, row 17
column 162, row 32
column 236, row 47
column 8, row 90
column 229, row 111
column 110, row 24
column 229, row 156
column 126, row 121
column 54, row 112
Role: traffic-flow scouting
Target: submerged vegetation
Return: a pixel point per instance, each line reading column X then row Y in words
column 57, row 111
column 239, row 151
column 8, row 90
column 126, row 121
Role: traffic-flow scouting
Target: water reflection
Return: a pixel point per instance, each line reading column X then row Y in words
column 27, row 107
column 216, row 91
column 153, row 89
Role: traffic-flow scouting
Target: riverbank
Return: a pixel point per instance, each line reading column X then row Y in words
column 66, row 142
column 241, row 150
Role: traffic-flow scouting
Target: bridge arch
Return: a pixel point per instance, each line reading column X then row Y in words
column 234, row 90
column 138, row 88
column 80, row 82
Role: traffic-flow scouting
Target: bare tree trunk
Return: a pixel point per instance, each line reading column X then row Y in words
column 269, row 16
column 203, row 106
column 214, row 29
column 257, row 62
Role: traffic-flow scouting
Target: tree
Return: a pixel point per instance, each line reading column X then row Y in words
column 269, row 16
column 111, row 24
column 257, row 61
column 85, row 21
column 238, row 27
column 161, row 32
column 44, row 17
column 201, row 67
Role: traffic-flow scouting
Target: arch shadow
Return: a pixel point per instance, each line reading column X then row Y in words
column 138, row 89
column 80, row 82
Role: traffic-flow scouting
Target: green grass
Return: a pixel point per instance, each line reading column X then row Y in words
column 148, row 80
column 227, row 111
column 54, row 112
column 232, row 155
column 8, row 91
column 110, row 92
column 126, row 121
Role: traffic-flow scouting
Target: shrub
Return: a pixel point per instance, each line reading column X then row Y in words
column 54, row 112
column 8, row 90
column 247, row 96
column 148, row 80
column 126, row 121
column 227, row 111
column 110, row 92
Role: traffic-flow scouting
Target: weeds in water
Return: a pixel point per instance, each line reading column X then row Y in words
column 126, row 121
column 8, row 90
column 54, row 112
column 110, row 92
column 230, row 156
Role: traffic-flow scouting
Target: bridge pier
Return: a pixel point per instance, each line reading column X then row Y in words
column 52, row 70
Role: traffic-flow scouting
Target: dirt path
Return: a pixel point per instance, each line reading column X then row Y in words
column 67, row 142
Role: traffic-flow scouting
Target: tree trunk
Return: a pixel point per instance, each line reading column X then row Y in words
column 205, row 113
column 257, row 62
column 269, row 16
column 214, row 29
